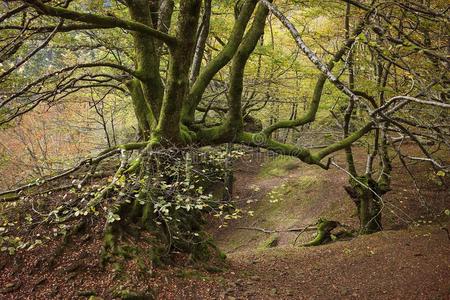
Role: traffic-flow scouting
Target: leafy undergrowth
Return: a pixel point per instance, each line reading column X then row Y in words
column 51, row 248
column 413, row 251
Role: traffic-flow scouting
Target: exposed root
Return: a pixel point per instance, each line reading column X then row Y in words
column 324, row 228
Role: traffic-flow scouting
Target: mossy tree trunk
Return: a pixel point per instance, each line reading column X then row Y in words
column 367, row 194
column 364, row 190
column 165, row 109
column 147, row 60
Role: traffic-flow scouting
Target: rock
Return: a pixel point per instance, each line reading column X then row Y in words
column 273, row 291
column 255, row 278
column 10, row 287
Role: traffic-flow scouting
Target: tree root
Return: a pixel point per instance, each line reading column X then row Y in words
column 324, row 228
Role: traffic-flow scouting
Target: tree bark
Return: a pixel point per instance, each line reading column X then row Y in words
column 177, row 85
column 368, row 203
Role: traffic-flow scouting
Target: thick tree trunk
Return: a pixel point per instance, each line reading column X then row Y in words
column 368, row 203
column 369, row 213
column 147, row 59
column 142, row 111
column 177, row 85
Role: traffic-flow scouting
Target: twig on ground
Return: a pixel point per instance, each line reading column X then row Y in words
column 302, row 229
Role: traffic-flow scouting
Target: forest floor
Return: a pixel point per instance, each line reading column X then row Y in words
column 410, row 259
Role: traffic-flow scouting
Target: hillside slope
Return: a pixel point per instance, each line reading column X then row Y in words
column 409, row 260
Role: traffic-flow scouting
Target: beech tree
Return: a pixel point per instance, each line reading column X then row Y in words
column 166, row 78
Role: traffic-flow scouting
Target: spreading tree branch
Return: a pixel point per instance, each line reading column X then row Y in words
column 100, row 20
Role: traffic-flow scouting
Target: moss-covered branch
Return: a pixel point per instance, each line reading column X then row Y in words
column 177, row 84
column 218, row 62
column 260, row 140
column 345, row 142
column 233, row 125
column 234, row 115
column 305, row 155
column 100, row 20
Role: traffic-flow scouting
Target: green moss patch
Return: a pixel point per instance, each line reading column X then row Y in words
column 270, row 242
column 279, row 166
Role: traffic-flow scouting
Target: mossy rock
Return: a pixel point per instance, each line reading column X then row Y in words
column 270, row 242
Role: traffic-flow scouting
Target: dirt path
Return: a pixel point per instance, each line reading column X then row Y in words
column 389, row 265
column 283, row 194
column 412, row 263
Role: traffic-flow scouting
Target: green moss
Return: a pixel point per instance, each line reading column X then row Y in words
column 133, row 165
column 222, row 256
column 133, row 146
column 306, row 182
column 289, row 203
column 187, row 136
column 323, row 235
column 279, row 166
column 270, row 242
